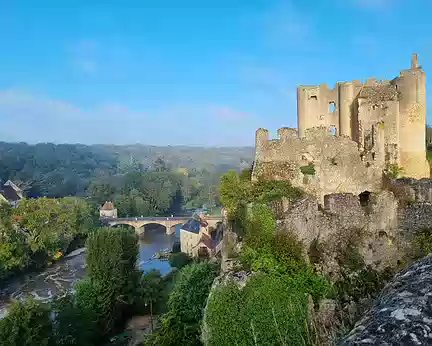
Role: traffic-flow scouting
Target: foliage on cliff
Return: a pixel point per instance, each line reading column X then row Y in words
column 269, row 310
column 237, row 191
column 181, row 324
column 273, row 306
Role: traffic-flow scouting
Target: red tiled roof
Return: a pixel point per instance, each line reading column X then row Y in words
column 108, row 206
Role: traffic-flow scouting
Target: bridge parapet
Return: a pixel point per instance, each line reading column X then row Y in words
column 168, row 222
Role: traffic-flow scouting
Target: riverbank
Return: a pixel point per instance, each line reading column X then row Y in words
column 61, row 276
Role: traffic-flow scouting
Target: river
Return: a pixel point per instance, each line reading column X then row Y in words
column 61, row 277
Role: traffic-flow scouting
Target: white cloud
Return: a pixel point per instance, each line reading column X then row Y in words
column 32, row 118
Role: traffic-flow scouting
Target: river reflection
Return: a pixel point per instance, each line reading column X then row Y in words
column 152, row 241
column 63, row 275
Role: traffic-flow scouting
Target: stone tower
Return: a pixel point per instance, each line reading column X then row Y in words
column 387, row 118
column 412, row 109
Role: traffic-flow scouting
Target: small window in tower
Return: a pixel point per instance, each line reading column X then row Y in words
column 332, row 107
column 313, row 97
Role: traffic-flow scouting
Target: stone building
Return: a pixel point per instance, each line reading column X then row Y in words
column 197, row 238
column 349, row 134
column 108, row 211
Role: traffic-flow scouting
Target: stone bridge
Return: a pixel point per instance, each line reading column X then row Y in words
column 169, row 223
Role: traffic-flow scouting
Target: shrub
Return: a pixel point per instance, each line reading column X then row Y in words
column 151, row 290
column 268, row 311
column 273, row 190
column 288, row 249
column 261, row 228
column 179, row 260
column 422, row 243
column 94, row 301
column 366, row 283
column 308, row 169
column 72, row 325
column 27, row 323
column 181, row 325
column 225, row 313
column 394, row 171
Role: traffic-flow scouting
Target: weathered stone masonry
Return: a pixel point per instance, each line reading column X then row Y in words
column 350, row 134
column 383, row 223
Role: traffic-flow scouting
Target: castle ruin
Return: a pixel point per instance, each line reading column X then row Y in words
column 348, row 135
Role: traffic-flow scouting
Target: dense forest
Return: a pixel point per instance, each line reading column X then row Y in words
column 142, row 180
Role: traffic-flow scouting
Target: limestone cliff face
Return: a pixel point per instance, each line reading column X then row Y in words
column 402, row 315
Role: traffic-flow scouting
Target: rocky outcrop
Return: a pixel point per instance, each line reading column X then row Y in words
column 402, row 315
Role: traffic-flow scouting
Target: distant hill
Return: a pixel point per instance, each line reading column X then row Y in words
column 67, row 169
column 219, row 159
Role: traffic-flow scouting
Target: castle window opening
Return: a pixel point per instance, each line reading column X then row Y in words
column 364, row 198
column 332, row 107
column 313, row 97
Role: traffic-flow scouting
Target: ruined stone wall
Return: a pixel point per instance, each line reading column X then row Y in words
column 336, row 160
column 386, row 118
column 381, row 226
column 317, row 106
column 409, row 190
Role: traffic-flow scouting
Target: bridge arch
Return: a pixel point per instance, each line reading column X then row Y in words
column 170, row 223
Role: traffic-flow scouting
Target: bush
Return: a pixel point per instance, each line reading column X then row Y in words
column 72, row 325
column 27, row 323
column 151, row 291
column 394, row 171
column 273, row 190
column 181, row 325
column 288, row 249
column 179, row 260
column 366, row 283
column 268, row 311
column 422, row 243
column 261, row 228
column 308, row 169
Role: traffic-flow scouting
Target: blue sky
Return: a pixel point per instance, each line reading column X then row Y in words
column 190, row 72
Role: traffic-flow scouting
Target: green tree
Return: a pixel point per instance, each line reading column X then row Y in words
column 72, row 325
column 111, row 266
column 51, row 224
column 26, row 324
column 179, row 260
column 232, row 191
column 181, row 325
